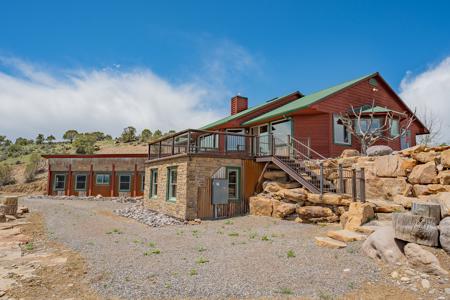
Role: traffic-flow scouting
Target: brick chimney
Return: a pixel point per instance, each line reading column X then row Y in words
column 238, row 104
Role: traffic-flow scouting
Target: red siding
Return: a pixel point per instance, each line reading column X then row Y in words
column 357, row 95
column 316, row 128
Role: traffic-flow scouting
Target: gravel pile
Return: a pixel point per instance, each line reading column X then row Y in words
column 90, row 198
column 146, row 216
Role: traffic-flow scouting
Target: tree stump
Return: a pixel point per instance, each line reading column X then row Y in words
column 416, row 229
column 430, row 210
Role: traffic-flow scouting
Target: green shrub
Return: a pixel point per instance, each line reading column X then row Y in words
column 32, row 167
column 6, row 175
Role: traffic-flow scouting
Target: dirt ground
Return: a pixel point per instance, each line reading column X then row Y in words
column 58, row 273
column 90, row 273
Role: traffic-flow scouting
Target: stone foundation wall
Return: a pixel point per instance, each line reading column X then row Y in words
column 176, row 208
column 192, row 173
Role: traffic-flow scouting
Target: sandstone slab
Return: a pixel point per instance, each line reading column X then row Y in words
column 329, row 242
column 357, row 214
column 393, row 165
column 445, row 158
column 350, row 153
column 346, row 235
column 284, row 209
column 260, row 206
column 444, row 236
column 383, row 206
column 423, row 174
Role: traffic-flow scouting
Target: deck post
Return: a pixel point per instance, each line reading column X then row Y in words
column 362, row 185
column 173, row 145
column 188, row 146
column 308, row 143
column 321, row 178
column 341, row 179
column 354, row 194
column 272, row 146
column 159, row 151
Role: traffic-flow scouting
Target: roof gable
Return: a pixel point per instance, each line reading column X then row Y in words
column 306, row 101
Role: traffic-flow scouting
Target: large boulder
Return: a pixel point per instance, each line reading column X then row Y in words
column 413, row 149
column 308, row 212
column 275, row 175
column 386, row 187
column 423, row 260
column 444, row 237
column 358, row 213
column 296, row 195
column 283, row 210
column 260, row 206
column 275, row 186
column 350, row 153
column 383, row 206
column 393, row 165
column 368, row 163
column 445, row 158
column 444, row 200
column 382, row 245
column 416, row 228
column 444, row 177
column 425, row 157
column 347, row 162
column 423, row 174
column 379, row 150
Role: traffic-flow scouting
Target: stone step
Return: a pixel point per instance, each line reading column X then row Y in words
column 329, row 242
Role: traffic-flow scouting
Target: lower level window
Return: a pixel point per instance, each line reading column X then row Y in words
column 341, row 135
column 80, row 182
column 60, row 182
column 233, row 183
column 102, row 179
column 172, row 183
column 153, row 183
column 124, row 183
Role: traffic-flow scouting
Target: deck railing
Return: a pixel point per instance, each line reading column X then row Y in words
column 194, row 141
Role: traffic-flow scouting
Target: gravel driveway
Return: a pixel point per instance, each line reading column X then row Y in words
column 239, row 257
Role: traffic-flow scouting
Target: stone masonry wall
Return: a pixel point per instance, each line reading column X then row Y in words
column 175, row 208
column 199, row 169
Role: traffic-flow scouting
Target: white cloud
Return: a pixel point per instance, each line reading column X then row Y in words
column 430, row 91
column 35, row 100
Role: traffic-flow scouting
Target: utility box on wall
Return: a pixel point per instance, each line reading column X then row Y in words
column 219, row 191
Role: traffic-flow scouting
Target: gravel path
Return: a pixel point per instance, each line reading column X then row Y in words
column 239, row 257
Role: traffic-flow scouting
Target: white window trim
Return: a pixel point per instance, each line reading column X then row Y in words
column 54, row 182
column 129, row 183
column 102, row 183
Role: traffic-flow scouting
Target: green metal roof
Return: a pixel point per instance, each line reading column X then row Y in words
column 305, row 101
column 244, row 112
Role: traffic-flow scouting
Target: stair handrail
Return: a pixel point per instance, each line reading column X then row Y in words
column 292, row 139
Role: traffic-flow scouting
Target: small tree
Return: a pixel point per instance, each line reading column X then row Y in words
column 361, row 124
column 128, row 134
column 84, row 144
column 39, row 139
column 22, row 141
column 146, row 135
column 434, row 125
column 50, row 139
column 157, row 134
column 32, row 167
column 70, row 135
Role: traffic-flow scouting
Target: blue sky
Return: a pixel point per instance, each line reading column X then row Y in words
column 214, row 49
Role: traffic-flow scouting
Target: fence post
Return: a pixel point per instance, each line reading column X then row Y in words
column 341, row 179
column 321, row 178
column 362, row 185
column 354, row 194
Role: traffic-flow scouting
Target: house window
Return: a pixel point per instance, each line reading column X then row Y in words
column 395, row 129
column 233, row 175
column 60, row 182
column 340, row 132
column 234, row 141
column 80, row 182
column 365, row 123
column 124, row 183
column 172, row 183
column 102, row 179
column 153, row 183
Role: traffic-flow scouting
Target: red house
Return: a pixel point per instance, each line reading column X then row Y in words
column 211, row 172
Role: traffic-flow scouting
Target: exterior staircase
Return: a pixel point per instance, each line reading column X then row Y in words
column 293, row 157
